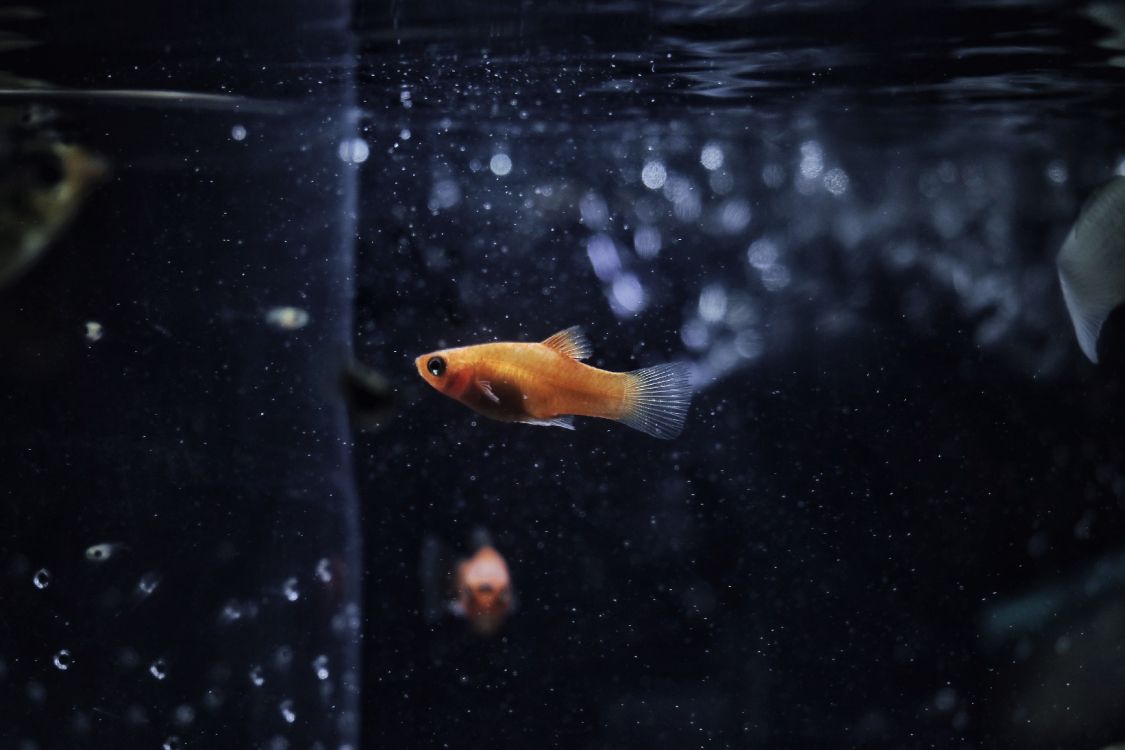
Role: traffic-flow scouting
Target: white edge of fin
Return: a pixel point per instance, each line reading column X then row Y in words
column 570, row 342
column 567, row 423
column 1087, row 323
column 658, row 398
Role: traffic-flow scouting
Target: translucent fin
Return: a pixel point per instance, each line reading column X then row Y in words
column 567, row 423
column 657, row 399
column 486, row 389
column 571, row 342
column 434, row 570
column 1092, row 264
column 1087, row 323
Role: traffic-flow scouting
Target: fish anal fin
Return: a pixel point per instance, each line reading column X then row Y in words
column 657, row 399
column 566, row 422
column 486, row 389
column 571, row 342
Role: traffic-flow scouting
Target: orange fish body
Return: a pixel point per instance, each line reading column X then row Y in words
column 477, row 588
column 484, row 590
column 546, row 383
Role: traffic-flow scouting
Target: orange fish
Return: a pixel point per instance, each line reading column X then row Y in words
column 545, row 383
column 478, row 588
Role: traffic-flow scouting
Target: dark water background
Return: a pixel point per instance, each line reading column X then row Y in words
column 894, row 518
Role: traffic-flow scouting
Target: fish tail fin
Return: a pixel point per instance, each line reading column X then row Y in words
column 434, row 570
column 657, row 399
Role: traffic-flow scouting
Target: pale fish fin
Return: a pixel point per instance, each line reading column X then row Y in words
column 657, row 399
column 434, row 571
column 1087, row 322
column 486, row 389
column 1091, row 264
column 571, row 342
column 566, row 422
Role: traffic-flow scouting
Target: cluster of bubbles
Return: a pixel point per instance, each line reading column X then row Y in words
column 790, row 231
column 180, row 721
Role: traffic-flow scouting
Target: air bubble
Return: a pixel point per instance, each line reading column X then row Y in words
column 712, row 303
column 287, row 318
column 354, row 151
column 1057, row 172
column 148, row 583
column 836, row 181
column 500, row 164
column 628, row 294
column 42, row 578
column 213, row 699
column 287, row 712
column 646, row 241
column 945, row 699
column 63, row 660
column 324, row 570
column 711, row 157
column 36, row 692
column 184, row 714
column 320, row 667
column 654, row 175
column 812, row 160
column 158, row 669
column 283, row 658
column 238, row 133
column 101, row 552
column 94, row 331
column 256, row 678
column 289, row 590
column 762, row 253
column 172, row 743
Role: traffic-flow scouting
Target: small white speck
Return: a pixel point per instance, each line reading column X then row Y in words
column 287, row 318
column 94, row 331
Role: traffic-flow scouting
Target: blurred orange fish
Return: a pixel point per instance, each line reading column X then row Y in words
column 545, row 383
column 478, row 588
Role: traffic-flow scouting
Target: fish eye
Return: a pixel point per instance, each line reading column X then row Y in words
column 436, row 366
column 485, row 588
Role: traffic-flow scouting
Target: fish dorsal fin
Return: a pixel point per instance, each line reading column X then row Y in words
column 571, row 342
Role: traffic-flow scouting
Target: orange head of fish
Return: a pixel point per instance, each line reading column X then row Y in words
column 484, row 590
column 449, row 371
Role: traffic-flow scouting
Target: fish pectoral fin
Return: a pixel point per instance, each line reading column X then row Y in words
column 567, row 423
column 571, row 342
column 486, row 389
